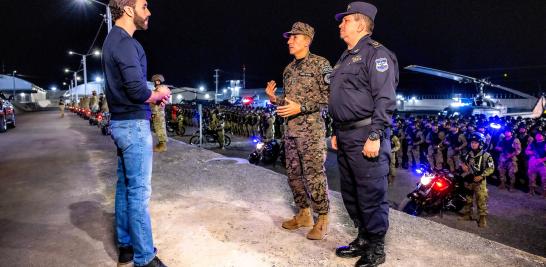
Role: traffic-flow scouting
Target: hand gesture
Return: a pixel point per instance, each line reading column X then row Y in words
column 270, row 91
column 290, row 109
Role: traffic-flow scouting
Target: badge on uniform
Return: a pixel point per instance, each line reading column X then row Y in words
column 357, row 58
column 381, row 64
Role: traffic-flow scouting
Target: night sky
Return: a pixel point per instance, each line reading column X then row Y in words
column 187, row 40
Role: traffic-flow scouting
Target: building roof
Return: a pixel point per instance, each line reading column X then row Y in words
column 7, row 84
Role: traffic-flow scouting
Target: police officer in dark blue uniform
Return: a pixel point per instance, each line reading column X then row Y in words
column 362, row 101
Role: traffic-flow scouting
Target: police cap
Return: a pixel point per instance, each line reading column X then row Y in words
column 363, row 8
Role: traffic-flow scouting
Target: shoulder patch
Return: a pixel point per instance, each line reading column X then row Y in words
column 381, row 64
column 326, row 71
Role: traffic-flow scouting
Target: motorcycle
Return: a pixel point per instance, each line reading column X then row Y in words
column 437, row 190
column 209, row 136
column 174, row 127
column 266, row 152
column 104, row 124
column 95, row 118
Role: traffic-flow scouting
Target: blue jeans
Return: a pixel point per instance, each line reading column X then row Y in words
column 133, row 190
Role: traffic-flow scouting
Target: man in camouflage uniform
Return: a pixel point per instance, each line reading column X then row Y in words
column 61, row 106
column 415, row 139
column 536, row 150
column 158, row 114
column 395, row 147
column 509, row 147
column 270, row 129
column 94, row 102
column 305, row 81
column 434, row 140
column 477, row 166
column 217, row 125
column 455, row 142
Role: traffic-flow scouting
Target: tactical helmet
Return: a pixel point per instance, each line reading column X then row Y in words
column 478, row 137
column 158, row 77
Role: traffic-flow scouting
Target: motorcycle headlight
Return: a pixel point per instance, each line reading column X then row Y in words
column 426, row 179
column 260, row 145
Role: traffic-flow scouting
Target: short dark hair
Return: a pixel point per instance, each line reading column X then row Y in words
column 116, row 7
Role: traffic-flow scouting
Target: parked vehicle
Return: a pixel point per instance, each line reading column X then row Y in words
column 7, row 113
column 436, row 191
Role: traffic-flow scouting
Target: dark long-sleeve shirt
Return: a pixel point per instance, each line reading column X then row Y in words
column 124, row 64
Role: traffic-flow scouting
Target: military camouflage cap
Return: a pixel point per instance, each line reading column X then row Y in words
column 300, row 28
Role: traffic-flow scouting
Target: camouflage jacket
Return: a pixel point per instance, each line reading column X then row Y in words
column 307, row 83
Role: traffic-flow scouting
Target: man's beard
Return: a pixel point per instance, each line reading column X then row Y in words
column 140, row 22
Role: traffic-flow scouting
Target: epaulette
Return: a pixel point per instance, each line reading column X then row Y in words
column 375, row 44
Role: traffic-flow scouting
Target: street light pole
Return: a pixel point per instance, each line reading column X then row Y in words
column 216, row 76
column 84, row 60
column 108, row 16
column 13, row 76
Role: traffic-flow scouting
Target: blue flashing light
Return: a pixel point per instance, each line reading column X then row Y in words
column 495, row 126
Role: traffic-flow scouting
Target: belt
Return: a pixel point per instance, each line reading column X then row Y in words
column 345, row 126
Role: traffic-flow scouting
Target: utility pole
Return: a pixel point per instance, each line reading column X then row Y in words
column 216, row 77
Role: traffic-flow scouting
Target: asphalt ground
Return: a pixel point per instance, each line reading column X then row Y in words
column 56, row 209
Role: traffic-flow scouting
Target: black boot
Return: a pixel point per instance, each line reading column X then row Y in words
column 354, row 249
column 374, row 254
column 125, row 257
column 156, row 262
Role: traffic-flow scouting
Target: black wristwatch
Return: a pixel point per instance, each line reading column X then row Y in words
column 303, row 108
column 374, row 136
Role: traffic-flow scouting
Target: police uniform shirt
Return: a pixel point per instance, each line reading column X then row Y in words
column 363, row 85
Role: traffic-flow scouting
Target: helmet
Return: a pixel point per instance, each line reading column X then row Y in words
column 158, row 77
column 478, row 137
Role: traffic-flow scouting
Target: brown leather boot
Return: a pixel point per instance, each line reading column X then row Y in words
column 302, row 219
column 532, row 191
column 482, row 223
column 502, row 186
column 320, row 229
column 160, row 147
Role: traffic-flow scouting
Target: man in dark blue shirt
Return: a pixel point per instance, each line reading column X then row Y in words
column 362, row 101
column 127, row 93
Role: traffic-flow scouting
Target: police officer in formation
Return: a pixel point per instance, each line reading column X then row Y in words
column 305, row 82
column 158, row 115
column 536, row 151
column 477, row 165
column 509, row 147
column 362, row 102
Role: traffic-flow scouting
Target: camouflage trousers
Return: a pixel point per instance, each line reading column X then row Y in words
column 536, row 169
column 160, row 127
column 270, row 133
column 61, row 107
column 453, row 159
column 392, row 168
column 180, row 123
column 221, row 134
column 435, row 157
column 305, row 159
column 414, row 155
column 510, row 165
column 480, row 191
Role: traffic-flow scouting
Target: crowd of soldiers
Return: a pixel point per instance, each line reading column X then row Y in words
column 516, row 144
